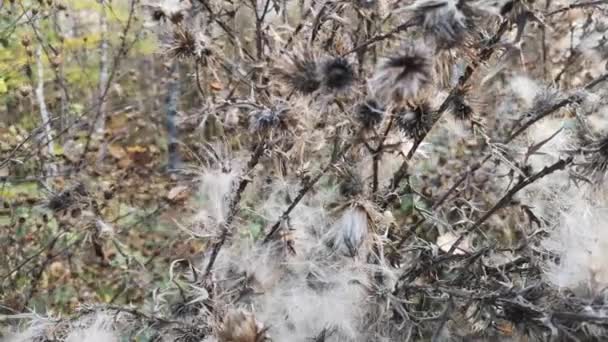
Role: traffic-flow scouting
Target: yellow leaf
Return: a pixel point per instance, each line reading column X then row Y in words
column 3, row 87
column 57, row 150
column 136, row 149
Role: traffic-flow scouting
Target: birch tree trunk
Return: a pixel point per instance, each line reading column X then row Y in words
column 100, row 123
column 44, row 114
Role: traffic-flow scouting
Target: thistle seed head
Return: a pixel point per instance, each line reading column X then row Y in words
column 352, row 231
column 338, row 73
column 265, row 119
column 443, row 21
column 301, row 73
column 241, row 326
column 461, row 106
column 185, row 45
column 415, row 120
column 596, row 159
column 352, row 184
column 403, row 75
column 370, row 113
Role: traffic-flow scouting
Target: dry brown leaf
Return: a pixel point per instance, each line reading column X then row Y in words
column 124, row 163
column 217, row 86
column 117, row 151
column 178, row 193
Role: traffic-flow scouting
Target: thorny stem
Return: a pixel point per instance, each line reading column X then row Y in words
column 225, row 28
column 537, row 117
column 484, row 54
column 198, row 78
column 559, row 165
column 572, row 99
column 259, row 21
column 578, row 5
column 377, row 155
column 234, row 203
column 303, row 191
column 382, row 36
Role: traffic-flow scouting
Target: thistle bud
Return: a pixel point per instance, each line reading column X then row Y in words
column 26, row 41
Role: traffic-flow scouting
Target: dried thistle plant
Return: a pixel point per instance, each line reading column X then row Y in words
column 403, row 75
column 241, row 326
column 595, row 153
column 300, row 72
column 350, row 208
column 370, row 113
column 443, row 21
column 337, row 73
column 415, row 119
column 187, row 45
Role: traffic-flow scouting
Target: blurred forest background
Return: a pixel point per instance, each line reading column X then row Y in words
column 87, row 105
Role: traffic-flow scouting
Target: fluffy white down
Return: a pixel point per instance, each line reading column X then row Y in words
column 581, row 241
column 216, row 188
column 97, row 328
column 100, row 331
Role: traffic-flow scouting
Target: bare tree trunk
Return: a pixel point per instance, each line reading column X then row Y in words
column 63, row 119
column 44, row 114
column 103, row 74
column 172, row 100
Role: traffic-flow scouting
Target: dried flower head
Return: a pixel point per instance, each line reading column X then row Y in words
column 461, row 106
column 415, row 120
column 158, row 14
column 546, row 98
column 241, row 326
column 261, row 120
column 301, row 73
column 351, row 184
column 67, row 198
column 402, row 76
column 337, row 73
column 370, row 113
column 186, row 45
column 461, row 109
column 353, row 229
column 176, row 17
column 596, row 159
column 442, row 20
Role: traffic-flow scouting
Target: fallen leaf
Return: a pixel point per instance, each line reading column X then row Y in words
column 447, row 240
column 136, row 149
column 178, row 193
column 117, row 151
column 124, row 163
column 216, row 86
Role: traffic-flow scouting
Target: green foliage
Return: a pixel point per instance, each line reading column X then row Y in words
column 11, row 191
